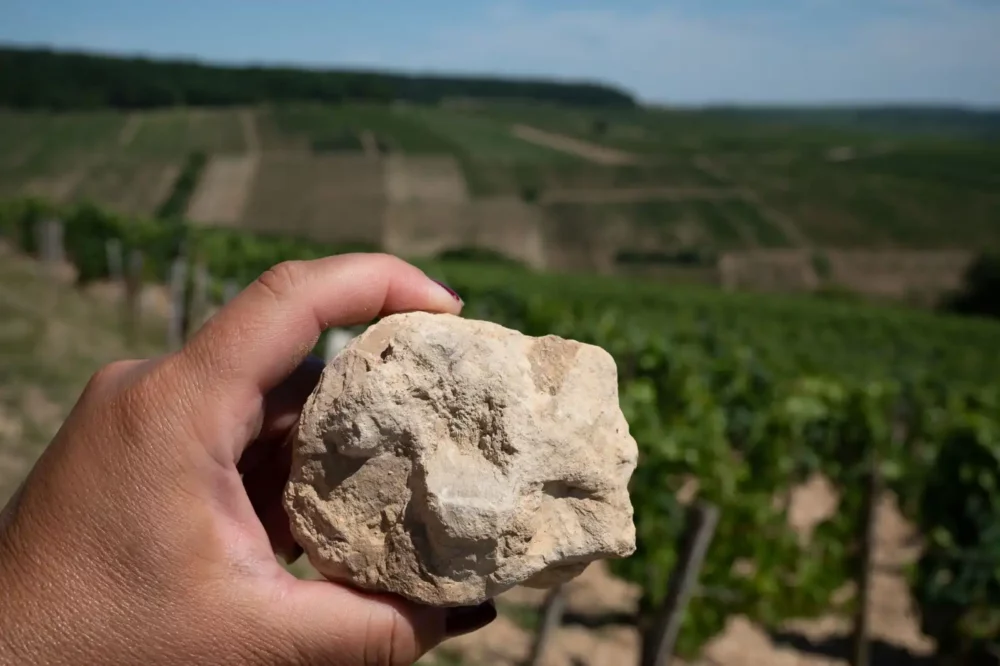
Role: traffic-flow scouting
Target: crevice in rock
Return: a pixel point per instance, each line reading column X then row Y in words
column 560, row 489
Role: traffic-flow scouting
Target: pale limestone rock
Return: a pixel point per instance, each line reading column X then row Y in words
column 448, row 460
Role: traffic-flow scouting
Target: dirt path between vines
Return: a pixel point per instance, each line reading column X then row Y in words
column 584, row 149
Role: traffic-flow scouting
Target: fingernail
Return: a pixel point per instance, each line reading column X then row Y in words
column 452, row 292
column 467, row 619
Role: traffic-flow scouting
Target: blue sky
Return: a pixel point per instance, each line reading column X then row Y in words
column 672, row 51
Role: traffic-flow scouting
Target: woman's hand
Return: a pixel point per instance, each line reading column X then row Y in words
column 147, row 531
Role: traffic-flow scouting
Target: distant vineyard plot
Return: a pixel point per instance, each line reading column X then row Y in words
column 331, row 198
column 177, row 133
column 222, row 194
column 439, row 179
column 323, row 129
column 506, row 226
column 129, row 186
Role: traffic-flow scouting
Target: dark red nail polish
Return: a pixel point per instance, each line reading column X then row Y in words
column 467, row 619
column 454, row 294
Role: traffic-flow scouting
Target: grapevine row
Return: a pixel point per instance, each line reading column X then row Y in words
column 748, row 397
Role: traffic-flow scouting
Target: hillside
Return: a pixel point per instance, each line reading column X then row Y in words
column 680, row 195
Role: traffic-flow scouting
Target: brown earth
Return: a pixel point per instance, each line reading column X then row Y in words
column 768, row 270
column 583, row 149
column 329, row 198
column 505, row 225
column 915, row 275
column 425, row 179
column 224, row 189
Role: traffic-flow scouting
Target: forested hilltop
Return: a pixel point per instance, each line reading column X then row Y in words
column 41, row 78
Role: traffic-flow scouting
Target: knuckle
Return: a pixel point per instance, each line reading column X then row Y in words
column 107, row 377
column 390, row 642
column 282, row 279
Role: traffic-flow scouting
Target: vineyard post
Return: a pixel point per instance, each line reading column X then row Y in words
column 659, row 639
column 133, row 295
column 115, row 259
column 49, row 239
column 229, row 290
column 50, row 244
column 178, row 292
column 861, row 638
column 552, row 613
column 199, row 296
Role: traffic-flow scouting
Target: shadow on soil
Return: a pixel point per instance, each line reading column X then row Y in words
column 839, row 647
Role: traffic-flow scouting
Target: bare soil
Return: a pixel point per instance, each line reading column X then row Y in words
column 506, row 225
column 223, row 192
column 583, row 149
column 900, row 274
column 768, row 270
column 330, row 198
column 425, row 179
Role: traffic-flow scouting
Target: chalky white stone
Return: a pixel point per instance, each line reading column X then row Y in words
column 447, row 460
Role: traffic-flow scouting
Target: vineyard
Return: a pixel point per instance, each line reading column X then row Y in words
column 749, row 396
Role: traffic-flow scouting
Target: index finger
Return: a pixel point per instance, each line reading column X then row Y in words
column 263, row 334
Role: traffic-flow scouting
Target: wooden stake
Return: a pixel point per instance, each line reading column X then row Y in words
column 659, row 640
column 178, row 293
column 860, row 640
column 552, row 613
column 116, row 262
column 199, row 296
column 133, row 295
column 229, row 290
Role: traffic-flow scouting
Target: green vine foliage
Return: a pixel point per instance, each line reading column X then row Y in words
column 958, row 577
column 744, row 397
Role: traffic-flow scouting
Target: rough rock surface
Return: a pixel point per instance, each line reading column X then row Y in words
column 448, row 460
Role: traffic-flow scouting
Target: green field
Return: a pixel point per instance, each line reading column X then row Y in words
column 804, row 183
column 175, row 134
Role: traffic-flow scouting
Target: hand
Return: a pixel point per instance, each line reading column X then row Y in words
column 148, row 530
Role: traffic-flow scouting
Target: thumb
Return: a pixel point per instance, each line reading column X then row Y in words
column 332, row 624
